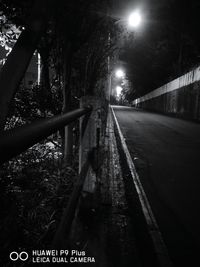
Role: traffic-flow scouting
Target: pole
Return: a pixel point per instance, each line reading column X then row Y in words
column 110, row 86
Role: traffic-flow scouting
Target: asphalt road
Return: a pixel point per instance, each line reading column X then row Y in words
column 166, row 153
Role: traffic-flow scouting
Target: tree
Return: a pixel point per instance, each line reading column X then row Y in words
column 21, row 54
column 167, row 47
column 35, row 181
column 63, row 39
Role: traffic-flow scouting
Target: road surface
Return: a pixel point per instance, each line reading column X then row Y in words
column 166, row 153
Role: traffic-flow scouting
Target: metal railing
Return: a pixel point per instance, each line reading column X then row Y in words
column 15, row 141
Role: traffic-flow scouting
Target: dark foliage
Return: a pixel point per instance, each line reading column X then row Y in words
column 34, row 191
column 36, row 185
column 167, row 46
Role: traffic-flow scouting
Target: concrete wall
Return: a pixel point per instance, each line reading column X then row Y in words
column 180, row 97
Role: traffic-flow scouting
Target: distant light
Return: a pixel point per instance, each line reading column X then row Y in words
column 119, row 73
column 39, row 68
column 134, row 19
column 118, row 90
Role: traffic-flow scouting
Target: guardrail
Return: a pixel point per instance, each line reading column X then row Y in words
column 15, row 141
column 90, row 135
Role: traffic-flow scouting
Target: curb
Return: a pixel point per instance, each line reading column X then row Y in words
column 159, row 246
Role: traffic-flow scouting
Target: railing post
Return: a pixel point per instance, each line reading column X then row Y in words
column 90, row 141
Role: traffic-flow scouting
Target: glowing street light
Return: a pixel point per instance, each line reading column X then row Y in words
column 119, row 73
column 134, row 19
column 118, row 90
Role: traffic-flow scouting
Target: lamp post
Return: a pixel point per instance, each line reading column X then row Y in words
column 132, row 21
column 119, row 74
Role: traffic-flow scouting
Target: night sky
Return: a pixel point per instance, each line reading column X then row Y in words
column 166, row 44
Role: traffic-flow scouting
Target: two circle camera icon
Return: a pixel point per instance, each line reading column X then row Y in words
column 23, row 256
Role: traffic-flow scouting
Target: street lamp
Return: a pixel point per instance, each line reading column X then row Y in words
column 134, row 19
column 118, row 90
column 119, row 74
